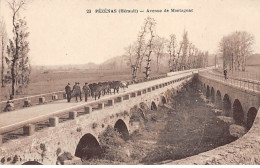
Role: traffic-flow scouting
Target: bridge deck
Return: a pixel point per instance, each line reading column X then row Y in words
column 22, row 115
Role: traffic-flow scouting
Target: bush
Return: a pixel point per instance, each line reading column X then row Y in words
column 111, row 145
column 153, row 117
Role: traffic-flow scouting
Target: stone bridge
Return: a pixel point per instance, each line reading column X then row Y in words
column 239, row 99
column 70, row 130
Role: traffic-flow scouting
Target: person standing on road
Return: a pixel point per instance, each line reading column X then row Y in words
column 225, row 73
column 86, row 90
column 68, row 92
column 76, row 91
column 79, row 90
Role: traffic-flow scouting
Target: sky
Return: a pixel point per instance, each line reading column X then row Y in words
column 61, row 32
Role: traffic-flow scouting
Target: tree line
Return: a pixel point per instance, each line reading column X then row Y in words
column 15, row 62
column 182, row 55
column 235, row 49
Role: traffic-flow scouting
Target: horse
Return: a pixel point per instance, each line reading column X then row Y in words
column 96, row 90
column 115, row 85
column 105, row 87
column 124, row 84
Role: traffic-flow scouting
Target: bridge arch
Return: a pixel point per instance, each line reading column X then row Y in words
column 143, row 106
column 226, row 105
column 32, row 163
column 88, row 147
column 208, row 92
column 121, row 127
column 238, row 112
column 138, row 113
column 153, row 106
column 218, row 99
column 212, row 95
column 164, row 100
column 251, row 114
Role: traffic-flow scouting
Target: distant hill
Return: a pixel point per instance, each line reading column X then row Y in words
column 120, row 63
column 90, row 65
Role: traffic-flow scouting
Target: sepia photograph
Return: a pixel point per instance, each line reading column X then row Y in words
column 121, row 82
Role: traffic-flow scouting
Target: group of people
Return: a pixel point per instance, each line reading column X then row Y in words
column 94, row 89
column 77, row 92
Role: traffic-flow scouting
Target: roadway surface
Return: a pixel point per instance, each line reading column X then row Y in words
column 22, row 115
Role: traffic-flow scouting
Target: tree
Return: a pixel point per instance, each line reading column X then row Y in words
column 159, row 44
column 195, row 57
column 171, row 50
column 130, row 53
column 16, row 46
column 140, row 50
column 3, row 38
column 143, row 47
column 151, row 29
column 185, row 43
column 178, row 62
column 235, row 48
column 191, row 51
column 24, row 68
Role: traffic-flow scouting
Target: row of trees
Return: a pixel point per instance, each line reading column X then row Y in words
column 15, row 64
column 183, row 55
column 235, row 48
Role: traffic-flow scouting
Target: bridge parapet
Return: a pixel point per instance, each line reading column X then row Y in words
column 243, row 83
column 239, row 74
column 35, row 99
column 53, row 96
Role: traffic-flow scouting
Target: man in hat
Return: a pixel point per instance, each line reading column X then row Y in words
column 76, row 91
column 79, row 91
column 68, row 92
column 86, row 90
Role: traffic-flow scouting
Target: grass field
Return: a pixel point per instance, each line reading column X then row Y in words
column 56, row 80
